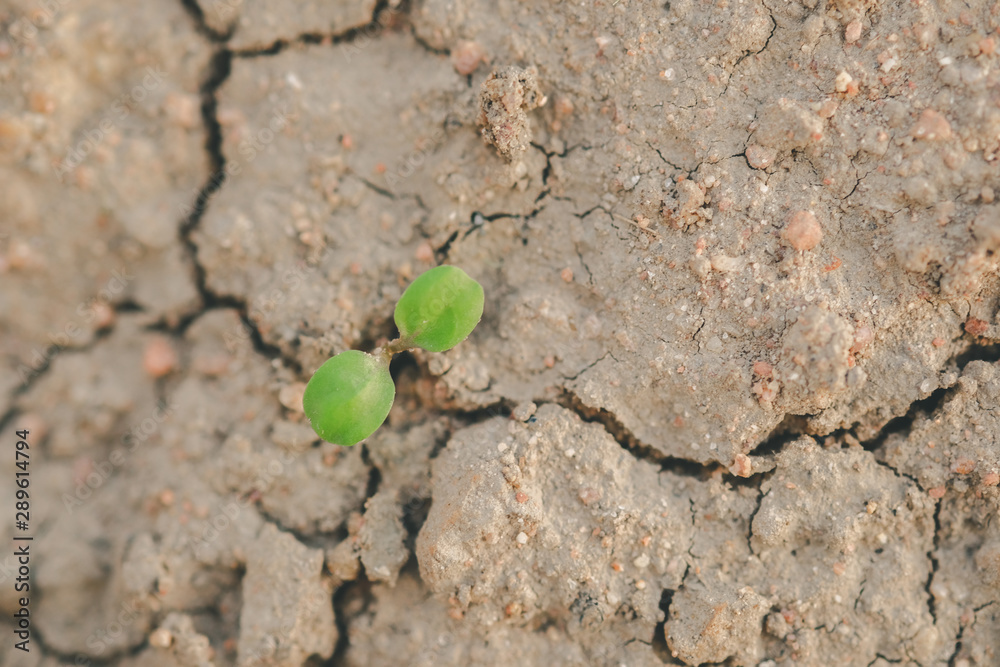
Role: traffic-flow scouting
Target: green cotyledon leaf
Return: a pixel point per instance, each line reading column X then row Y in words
column 439, row 309
column 349, row 397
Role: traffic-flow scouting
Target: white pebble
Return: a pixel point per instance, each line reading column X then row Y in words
column 522, row 538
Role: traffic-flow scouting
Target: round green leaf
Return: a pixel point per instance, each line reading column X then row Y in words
column 439, row 309
column 349, row 397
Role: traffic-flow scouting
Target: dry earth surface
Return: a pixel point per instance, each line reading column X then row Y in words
column 734, row 398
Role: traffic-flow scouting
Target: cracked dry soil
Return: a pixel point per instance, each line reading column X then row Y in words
column 733, row 399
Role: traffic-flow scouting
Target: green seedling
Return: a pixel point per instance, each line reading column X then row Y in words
column 350, row 395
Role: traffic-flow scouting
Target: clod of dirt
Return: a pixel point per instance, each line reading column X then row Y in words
column 803, row 231
column 844, row 541
column 686, row 206
column 706, row 626
column 531, row 518
column 760, row 157
column 176, row 637
column 408, row 621
column 814, row 368
column 787, row 124
column 505, row 97
column 381, row 538
column 955, row 446
column 287, row 610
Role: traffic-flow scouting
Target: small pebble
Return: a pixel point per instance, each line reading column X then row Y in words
column 853, row 31
column 291, row 395
column 976, row 327
column 741, row 466
column 161, row 638
column 524, row 411
column 842, row 81
column 963, row 466
column 159, row 358
column 567, row 275
column 467, row 56
column 522, row 538
column 104, row 315
column 589, row 495
column 424, row 253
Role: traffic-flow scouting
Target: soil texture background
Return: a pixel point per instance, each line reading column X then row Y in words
column 733, row 400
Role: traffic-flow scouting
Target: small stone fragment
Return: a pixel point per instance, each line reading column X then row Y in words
column 523, row 411
column 160, row 638
column 853, row 31
column 424, row 253
column 725, row 263
column 976, row 327
column 963, row 466
column 842, row 81
column 741, row 466
column 291, row 395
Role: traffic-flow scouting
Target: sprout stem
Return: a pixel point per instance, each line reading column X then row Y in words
column 392, row 348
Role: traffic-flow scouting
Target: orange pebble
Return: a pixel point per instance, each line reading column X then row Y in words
column 803, row 231
column 159, row 357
